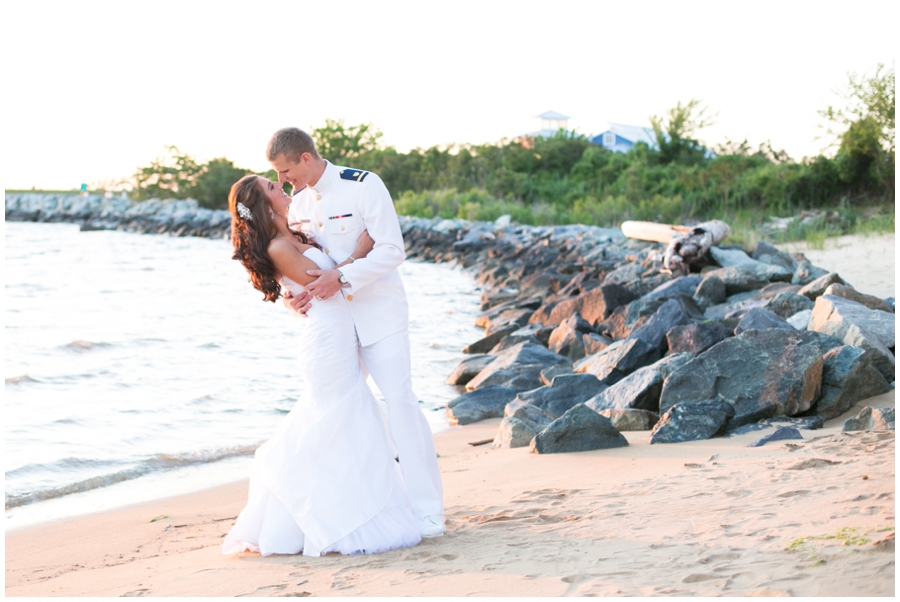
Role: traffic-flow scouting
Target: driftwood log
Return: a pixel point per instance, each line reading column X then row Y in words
column 694, row 244
column 651, row 231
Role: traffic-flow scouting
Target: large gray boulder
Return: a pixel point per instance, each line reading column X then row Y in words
column 737, row 279
column 579, row 429
column 618, row 360
column 871, row 419
column 639, row 390
column 760, row 372
column 488, row 402
column 769, row 254
column 696, row 338
column 631, row 419
column 683, row 285
column 848, row 292
column 692, row 421
column 518, row 368
column 490, row 341
column 737, row 257
column 468, row 369
column 517, row 317
column 711, row 291
column 835, row 315
column 564, row 391
column 761, row 319
column 787, row 304
column 519, row 428
column 848, row 376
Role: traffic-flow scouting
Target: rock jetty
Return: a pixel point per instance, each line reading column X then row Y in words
column 580, row 321
column 586, row 333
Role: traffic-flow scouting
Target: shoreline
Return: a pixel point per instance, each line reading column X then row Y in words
column 708, row 517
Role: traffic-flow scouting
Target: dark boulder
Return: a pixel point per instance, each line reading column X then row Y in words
column 674, row 312
column 482, row 404
column 761, row 319
column 696, row 338
column 468, row 369
column 711, row 291
column 579, row 429
column 782, row 433
column 618, row 325
column 513, row 433
column 639, row 390
column 787, row 304
column 505, row 319
column 762, row 373
column 848, row 376
column 618, row 360
column 692, row 421
column 490, row 341
column 683, row 285
column 737, row 279
column 564, row 391
column 518, row 368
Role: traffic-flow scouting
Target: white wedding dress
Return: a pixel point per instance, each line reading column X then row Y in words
column 327, row 480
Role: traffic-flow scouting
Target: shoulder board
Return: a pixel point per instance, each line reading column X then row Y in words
column 357, row 175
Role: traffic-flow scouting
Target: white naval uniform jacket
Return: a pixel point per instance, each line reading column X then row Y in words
column 335, row 211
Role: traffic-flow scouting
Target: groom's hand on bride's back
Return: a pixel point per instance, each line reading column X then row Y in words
column 299, row 304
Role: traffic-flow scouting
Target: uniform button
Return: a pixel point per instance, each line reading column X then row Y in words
column 318, row 197
column 349, row 297
column 320, row 224
column 342, row 227
column 326, row 251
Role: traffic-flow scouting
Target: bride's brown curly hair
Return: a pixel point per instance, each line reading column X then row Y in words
column 251, row 237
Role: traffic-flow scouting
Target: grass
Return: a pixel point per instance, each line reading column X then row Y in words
column 848, row 537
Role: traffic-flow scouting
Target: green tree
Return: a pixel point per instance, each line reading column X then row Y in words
column 674, row 133
column 169, row 176
column 865, row 130
column 342, row 144
column 212, row 183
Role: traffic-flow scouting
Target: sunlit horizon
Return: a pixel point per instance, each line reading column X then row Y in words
column 98, row 89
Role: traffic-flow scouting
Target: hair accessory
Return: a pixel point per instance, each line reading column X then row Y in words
column 244, row 212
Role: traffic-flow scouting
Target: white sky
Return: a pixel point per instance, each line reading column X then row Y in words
column 92, row 90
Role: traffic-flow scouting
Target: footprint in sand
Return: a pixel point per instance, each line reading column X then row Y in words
column 267, row 590
column 136, row 593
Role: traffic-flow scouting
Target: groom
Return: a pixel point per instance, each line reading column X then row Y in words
column 334, row 205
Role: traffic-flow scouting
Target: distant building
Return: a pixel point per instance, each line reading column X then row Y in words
column 551, row 123
column 621, row 138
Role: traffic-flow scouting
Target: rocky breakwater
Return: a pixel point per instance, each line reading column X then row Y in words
column 92, row 212
column 587, row 335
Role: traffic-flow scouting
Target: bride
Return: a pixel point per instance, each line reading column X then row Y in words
column 326, row 481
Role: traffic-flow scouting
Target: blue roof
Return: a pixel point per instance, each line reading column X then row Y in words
column 634, row 133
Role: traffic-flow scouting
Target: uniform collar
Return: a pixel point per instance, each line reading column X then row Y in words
column 327, row 178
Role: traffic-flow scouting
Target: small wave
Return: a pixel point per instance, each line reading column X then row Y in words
column 209, row 346
column 85, row 345
column 20, row 380
column 155, row 463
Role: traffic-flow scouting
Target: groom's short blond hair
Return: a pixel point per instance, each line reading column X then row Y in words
column 293, row 142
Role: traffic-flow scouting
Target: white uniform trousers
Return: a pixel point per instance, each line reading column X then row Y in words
column 388, row 361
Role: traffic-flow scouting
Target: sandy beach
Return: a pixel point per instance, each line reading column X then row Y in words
column 717, row 517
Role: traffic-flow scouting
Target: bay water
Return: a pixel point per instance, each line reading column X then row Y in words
column 141, row 366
